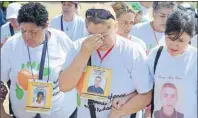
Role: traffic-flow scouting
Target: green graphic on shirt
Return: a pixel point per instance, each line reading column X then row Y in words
column 78, row 100
column 19, row 92
column 35, row 66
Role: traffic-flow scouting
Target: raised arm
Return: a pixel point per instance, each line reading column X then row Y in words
column 70, row 76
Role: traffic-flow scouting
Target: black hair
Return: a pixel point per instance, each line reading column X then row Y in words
column 40, row 93
column 178, row 23
column 33, row 13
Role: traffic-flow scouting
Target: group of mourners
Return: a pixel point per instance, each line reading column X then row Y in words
column 153, row 59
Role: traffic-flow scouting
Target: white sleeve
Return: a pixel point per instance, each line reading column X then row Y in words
column 54, row 24
column 6, row 52
column 71, row 54
column 2, row 34
column 151, row 59
column 142, row 81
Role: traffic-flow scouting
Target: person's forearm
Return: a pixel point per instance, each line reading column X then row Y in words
column 3, row 113
column 132, row 95
column 136, row 103
column 69, row 78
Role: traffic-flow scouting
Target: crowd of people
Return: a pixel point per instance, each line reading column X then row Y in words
column 153, row 59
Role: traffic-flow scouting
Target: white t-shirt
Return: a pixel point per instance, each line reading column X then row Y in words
column 144, row 31
column 139, row 41
column 5, row 32
column 194, row 41
column 129, row 73
column 75, row 29
column 178, row 77
column 14, row 58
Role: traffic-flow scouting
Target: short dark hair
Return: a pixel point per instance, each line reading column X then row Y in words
column 98, row 77
column 178, row 23
column 33, row 13
column 40, row 93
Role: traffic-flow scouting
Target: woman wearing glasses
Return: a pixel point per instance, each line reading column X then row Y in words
column 106, row 49
column 36, row 53
column 175, row 72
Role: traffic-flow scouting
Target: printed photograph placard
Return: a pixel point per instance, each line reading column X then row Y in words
column 169, row 98
column 96, row 83
column 39, row 96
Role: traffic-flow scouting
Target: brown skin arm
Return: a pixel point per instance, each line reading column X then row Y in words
column 3, row 113
column 69, row 78
column 133, row 105
column 74, row 71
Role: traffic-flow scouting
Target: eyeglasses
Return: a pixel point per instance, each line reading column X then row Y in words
column 100, row 13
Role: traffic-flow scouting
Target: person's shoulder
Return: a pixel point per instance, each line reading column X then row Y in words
column 139, row 41
column 14, row 41
column 56, row 32
column 62, row 39
column 79, row 18
column 192, row 53
column 141, row 25
column 192, row 49
column 125, row 44
column 155, row 49
column 5, row 26
column 140, row 29
column 57, row 17
column 128, row 47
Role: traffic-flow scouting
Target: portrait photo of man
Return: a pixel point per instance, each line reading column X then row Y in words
column 96, row 88
column 169, row 99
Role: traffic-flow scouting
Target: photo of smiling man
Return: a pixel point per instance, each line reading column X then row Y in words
column 168, row 99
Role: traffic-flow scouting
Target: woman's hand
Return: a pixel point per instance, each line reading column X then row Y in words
column 92, row 43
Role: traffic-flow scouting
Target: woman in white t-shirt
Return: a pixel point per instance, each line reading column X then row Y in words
column 126, row 16
column 175, row 73
column 69, row 21
column 151, row 32
column 21, row 61
column 111, row 51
